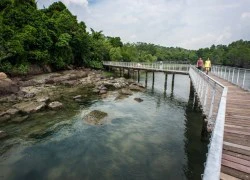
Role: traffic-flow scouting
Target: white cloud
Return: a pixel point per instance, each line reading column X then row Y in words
column 190, row 24
column 76, row 2
column 245, row 15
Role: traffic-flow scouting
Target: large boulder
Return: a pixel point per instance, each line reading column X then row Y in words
column 2, row 76
column 7, row 86
column 29, row 107
column 95, row 117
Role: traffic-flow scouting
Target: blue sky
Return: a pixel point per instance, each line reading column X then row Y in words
column 190, row 24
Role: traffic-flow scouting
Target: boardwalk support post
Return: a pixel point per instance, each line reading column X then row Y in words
column 173, row 82
column 138, row 76
column 146, row 79
column 153, row 81
column 166, row 82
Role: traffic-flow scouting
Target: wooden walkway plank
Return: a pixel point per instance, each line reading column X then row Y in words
column 236, row 145
column 236, row 160
column 236, row 166
column 227, row 177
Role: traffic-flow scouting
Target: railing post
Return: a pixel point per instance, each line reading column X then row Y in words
column 238, row 76
column 233, row 76
column 212, row 102
column 225, row 72
column 244, row 78
column 205, row 99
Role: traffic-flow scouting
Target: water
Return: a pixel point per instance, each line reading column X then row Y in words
column 159, row 138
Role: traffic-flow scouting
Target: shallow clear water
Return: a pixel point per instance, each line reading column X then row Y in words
column 159, row 138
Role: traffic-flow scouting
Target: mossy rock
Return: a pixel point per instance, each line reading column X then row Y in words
column 95, row 117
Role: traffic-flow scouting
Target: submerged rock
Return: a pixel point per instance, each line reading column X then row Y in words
column 19, row 119
column 3, row 134
column 126, row 92
column 95, row 117
column 29, row 107
column 135, row 87
column 55, row 105
column 121, row 96
column 5, row 117
column 138, row 99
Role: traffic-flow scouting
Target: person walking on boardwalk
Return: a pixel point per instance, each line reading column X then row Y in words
column 207, row 65
column 199, row 64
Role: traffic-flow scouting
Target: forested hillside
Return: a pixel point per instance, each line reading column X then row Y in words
column 52, row 37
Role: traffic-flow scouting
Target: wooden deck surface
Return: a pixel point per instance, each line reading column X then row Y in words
column 236, row 143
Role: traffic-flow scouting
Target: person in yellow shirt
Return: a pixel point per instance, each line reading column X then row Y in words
column 207, row 65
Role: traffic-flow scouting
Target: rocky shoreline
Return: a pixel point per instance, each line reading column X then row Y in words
column 20, row 97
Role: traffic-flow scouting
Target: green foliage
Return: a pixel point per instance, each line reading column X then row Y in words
column 235, row 54
column 4, row 4
column 115, row 54
column 53, row 36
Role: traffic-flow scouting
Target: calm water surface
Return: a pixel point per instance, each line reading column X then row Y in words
column 158, row 138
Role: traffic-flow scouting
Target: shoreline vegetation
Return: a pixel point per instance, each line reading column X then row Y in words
column 35, row 41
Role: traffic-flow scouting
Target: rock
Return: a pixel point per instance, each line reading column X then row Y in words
column 28, row 83
column 43, row 99
column 102, row 91
column 103, row 96
column 70, row 83
column 29, row 95
column 7, row 86
column 4, row 118
column 12, row 111
column 30, row 107
column 19, row 119
column 2, row 76
column 135, row 88
column 31, row 90
column 11, row 98
column 138, row 99
column 95, row 117
column 55, row 105
column 96, row 91
column 126, row 92
column 3, row 134
column 77, row 97
column 121, row 96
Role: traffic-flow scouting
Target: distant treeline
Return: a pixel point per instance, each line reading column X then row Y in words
column 53, row 37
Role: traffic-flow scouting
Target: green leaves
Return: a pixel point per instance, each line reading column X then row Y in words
column 53, row 36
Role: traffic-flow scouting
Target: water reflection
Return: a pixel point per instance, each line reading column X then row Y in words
column 158, row 138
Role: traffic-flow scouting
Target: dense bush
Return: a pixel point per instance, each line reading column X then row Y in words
column 53, row 37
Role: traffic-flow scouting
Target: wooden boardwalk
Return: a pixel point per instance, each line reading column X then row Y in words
column 236, row 144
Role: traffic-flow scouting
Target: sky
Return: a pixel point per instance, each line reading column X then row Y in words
column 190, row 24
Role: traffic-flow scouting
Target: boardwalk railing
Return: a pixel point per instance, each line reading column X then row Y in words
column 237, row 76
column 150, row 66
column 212, row 96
